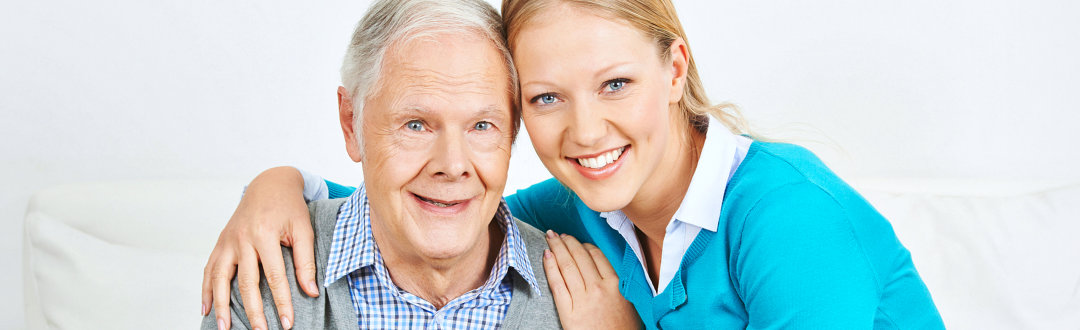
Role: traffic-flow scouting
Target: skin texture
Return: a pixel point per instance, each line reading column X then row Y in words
column 606, row 86
column 440, row 131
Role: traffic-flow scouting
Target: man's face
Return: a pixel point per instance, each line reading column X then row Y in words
column 436, row 139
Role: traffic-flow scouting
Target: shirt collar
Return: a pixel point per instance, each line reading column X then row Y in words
column 701, row 204
column 353, row 246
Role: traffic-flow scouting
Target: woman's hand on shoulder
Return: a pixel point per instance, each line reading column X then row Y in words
column 272, row 213
column 585, row 286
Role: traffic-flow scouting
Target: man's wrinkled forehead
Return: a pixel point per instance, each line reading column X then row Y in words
column 452, row 70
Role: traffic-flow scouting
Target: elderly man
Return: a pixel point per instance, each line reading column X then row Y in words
column 427, row 241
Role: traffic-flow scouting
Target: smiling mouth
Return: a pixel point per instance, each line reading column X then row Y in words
column 601, row 160
column 438, row 203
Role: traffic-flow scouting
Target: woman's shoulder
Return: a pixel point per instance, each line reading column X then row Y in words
column 546, row 205
column 787, row 194
column 792, row 160
column 769, row 166
column 789, row 178
column 549, row 193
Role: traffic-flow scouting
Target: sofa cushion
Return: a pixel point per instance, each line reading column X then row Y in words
column 122, row 254
column 995, row 254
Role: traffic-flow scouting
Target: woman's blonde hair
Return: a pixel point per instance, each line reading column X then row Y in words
column 658, row 21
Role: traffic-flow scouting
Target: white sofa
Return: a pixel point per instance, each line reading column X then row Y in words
column 129, row 255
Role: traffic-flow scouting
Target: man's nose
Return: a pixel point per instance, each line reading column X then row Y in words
column 588, row 126
column 450, row 157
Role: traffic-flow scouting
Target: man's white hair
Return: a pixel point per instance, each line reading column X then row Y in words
column 396, row 22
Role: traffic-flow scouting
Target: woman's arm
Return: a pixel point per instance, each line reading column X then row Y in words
column 547, row 205
column 800, row 263
column 272, row 213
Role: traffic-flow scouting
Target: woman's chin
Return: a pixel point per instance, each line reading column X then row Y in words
column 601, row 202
column 599, row 195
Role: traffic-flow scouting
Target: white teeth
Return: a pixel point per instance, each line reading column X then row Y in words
column 439, row 204
column 601, row 160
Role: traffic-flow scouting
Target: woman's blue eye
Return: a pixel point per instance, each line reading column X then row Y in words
column 415, row 125
column 615, row 85
column 546, row 99
column 482, row 126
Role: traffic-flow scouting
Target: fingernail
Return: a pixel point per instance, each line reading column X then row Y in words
column 313, row 287
column 550, row 234
column 221, row 324
column 203, row 313
column 562, row 235
column 285, row 323
column 547, row 253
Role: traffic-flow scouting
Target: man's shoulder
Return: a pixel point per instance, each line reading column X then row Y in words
column 324, row 215
column 307, row 311
column 529, row 310
column 535, row 244
column 326, row 207
column 534, row 240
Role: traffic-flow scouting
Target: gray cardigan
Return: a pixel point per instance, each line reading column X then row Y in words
column 333, row 308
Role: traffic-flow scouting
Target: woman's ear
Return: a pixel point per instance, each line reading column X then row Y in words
column 348, row 127
column 680, row 65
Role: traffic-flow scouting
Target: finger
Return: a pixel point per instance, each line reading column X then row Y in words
column 278, row 281
column 247, row 278
column 602, row 264
column 555, row 281
column 207, row 290
column 303, row 253
column 571, row 275
column 583, row 259
column 221, row 279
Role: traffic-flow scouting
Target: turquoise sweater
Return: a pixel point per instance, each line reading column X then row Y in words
column 795, row 247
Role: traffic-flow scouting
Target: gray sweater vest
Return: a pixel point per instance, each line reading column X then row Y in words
column 333, row 308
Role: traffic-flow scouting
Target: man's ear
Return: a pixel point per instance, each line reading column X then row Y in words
column 345, row 115
column 680, row 65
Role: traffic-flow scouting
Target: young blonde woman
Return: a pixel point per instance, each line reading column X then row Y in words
column 701, row 226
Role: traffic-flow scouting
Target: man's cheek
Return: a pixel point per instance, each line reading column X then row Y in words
column 493, row 171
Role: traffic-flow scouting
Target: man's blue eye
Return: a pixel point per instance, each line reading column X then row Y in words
column 415, row 125
column 482, row 126
column 547, row 99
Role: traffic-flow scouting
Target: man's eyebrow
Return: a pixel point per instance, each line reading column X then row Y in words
column 415, row 109
column 492, row 111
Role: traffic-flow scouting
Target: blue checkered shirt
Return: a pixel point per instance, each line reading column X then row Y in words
column 380, row 304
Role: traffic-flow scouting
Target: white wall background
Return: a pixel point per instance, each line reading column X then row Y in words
column 125, row 90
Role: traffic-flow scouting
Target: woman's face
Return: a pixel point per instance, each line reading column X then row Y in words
column 599, row 104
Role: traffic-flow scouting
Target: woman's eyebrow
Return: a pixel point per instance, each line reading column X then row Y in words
column 599, row 74
column 541, row 83
column 614, row 67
